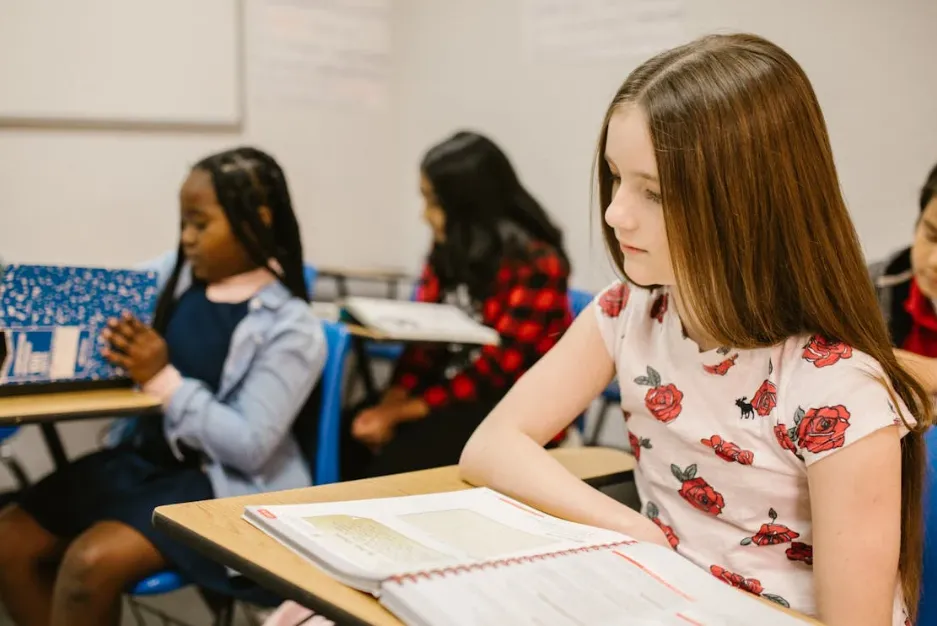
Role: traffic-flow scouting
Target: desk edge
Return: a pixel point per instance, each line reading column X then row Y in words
column 260, row 576
column 288, row 590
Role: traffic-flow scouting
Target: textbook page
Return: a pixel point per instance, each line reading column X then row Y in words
column 639, row 584
column 420, row 321
column 391, row 536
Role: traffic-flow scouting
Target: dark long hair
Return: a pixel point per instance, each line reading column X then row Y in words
column 761, row 241
column 488, row 212
column 246, row 179
column 929, row 190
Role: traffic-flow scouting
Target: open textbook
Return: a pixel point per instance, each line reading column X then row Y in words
column 477, row 557
column 419, row 321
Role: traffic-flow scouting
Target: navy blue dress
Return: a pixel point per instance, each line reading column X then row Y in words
column 126, row 483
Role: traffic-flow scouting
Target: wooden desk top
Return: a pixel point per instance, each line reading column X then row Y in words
column 50, row 407
column 363, row 273
column 215, row 528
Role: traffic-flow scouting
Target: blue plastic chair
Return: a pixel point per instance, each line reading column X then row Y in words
column 327, row 461
column 310, row 274
column 927, row 608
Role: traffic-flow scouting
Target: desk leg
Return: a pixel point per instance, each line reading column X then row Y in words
column 54, row 443
column 363, row 364
column 341, row 286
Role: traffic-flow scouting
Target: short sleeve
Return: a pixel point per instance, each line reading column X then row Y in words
column 837, row 396
column 610, row 308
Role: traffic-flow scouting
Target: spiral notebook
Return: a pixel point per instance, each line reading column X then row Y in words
column 51, row 318
column 477, row 557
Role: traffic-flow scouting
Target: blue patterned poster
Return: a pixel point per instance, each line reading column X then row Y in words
column 52, row 317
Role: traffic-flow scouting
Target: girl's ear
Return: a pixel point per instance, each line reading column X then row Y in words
column 265, row 216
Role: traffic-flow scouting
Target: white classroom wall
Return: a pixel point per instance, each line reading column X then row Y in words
column 871, row 62
column 110, row 197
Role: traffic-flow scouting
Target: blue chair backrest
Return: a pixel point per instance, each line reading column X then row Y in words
column 327, row 460
column 927, row 609
column 310, row 273
column 578, row 301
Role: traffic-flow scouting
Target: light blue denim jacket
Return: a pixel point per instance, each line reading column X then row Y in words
column 276, row 355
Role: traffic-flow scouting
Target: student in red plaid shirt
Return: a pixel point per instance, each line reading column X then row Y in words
column 496, row 255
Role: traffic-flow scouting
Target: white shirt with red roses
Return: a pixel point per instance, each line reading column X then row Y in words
column 723, row 439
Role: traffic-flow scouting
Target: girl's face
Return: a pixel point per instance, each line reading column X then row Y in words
column 924, row 251
column 635, row 212
column 432, row 212
column 208, row 243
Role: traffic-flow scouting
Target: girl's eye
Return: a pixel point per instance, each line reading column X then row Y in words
column 653, row 196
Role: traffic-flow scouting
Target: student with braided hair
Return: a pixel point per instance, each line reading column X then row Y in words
column 234, row 353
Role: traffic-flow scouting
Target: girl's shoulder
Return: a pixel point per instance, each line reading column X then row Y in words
column 624, row 308
column 831, row 395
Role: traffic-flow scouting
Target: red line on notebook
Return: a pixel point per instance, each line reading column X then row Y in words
column 266, row 513
column 688, row 620
column 522, row 508
column 653, row 575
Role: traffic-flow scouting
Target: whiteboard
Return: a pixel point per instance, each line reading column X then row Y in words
column 121, row 62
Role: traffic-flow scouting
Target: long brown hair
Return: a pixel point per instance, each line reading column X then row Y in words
column 761, row 242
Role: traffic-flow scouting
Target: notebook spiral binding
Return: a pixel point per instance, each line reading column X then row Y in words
column 460, row 569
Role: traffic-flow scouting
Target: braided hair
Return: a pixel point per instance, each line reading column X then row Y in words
column 246, row 179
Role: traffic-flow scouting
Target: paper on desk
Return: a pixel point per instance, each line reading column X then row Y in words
column 394, row 536
column 639, row 584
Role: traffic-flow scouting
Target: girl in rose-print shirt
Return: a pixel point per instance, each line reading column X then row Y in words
column 777, row 439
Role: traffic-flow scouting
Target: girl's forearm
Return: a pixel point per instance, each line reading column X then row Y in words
column 514, row 464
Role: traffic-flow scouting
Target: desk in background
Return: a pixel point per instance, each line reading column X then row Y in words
column 341, row 275
column 45, row 409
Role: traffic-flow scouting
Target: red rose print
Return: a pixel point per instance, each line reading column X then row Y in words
column 659, row 308
column 751, row 585
column 697, row 491
column 663, row 401
column 765, row 399
column 819, row 430
column 637, row 444
column 771, row 534
column 784, row 438
column 822, row 352
column 721, row 369
column 653, row 514
column 614, row 299
column 800, row 552
column 728, row 451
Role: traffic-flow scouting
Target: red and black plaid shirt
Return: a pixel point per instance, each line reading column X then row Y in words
column 528, row 307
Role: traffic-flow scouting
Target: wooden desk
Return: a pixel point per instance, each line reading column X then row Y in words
column 47, row 408
column 341, row 276
column 215, row 528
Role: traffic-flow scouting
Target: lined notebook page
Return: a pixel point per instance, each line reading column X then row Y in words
column 636, row 584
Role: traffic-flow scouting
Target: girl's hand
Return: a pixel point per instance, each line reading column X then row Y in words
column 375, row 426
column 136, row 348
